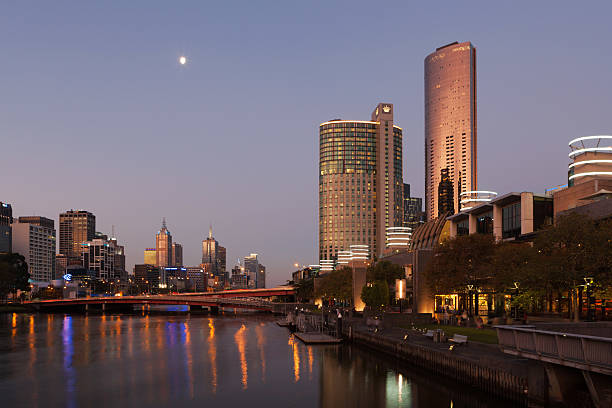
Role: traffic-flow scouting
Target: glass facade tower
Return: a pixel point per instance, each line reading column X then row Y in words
column 450, row 122
column 360, row 182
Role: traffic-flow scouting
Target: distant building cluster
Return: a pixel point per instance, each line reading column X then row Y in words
column 89, row 262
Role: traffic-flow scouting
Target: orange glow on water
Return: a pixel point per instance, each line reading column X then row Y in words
column 212, row 354
column 240, row 338
column 296, row 358
column 261, row 341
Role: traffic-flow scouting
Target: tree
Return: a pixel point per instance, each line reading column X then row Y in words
column 14, row 274
column 385, row 271
column 337, row 285
column 462, row 261
column 376, row 295
column 304, row 289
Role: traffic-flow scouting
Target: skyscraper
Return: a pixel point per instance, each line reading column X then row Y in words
column 34, row 238
column 256, row 272
column 163, row 247
column 450, row 122
column 76, row 227
column 360, row 182
column 6, row 219
column 213, row 255
column 177, row 254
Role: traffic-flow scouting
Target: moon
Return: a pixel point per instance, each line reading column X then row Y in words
column 182, row 60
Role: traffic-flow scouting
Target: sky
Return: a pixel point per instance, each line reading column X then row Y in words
column 96, row 113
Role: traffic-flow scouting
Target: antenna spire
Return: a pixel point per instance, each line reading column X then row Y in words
column 164, row 223
column 210, row 231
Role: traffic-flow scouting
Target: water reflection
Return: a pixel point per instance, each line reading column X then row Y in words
column 240, row 338
column 100, row 361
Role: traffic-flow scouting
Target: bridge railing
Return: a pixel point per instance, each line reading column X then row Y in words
column 580, row 351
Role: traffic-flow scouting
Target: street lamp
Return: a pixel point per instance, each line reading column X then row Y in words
column 589, row 289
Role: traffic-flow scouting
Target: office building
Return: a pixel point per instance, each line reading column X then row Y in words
column 75, row 228
column 163, row 247
column 146, row 277
column 197, row 277
column 119, row 261
column 6, row 219
column 34, row 238
column 213, row 255
column 413, row 209
column 98, row 257
column 255, row 271
column 450, row 123
column 177, row 254
column 150, row 256
column 360, row 182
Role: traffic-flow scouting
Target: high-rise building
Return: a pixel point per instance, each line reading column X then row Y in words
column 163, row 247
column 119, row 261
column 75, row 228
column 150, row 256
column 450, row 122
column 197, row 277
column 147, row 277
column 6, row 219
column 413, row 209
column 360, row 182
column 177, row 254
column 34, row 238
column 445, row 193
column 213, row 255
column 98, row 257
column 255, row 271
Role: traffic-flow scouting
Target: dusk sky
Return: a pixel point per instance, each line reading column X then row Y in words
column 97, row 114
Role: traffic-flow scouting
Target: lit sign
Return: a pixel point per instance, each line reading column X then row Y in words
column 67, row 277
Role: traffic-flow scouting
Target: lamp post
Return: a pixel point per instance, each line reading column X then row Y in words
column 469, row 299
column 589, row 292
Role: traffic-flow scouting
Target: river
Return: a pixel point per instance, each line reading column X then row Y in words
column 57, row 360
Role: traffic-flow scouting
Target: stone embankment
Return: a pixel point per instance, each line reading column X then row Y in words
column 477, row 365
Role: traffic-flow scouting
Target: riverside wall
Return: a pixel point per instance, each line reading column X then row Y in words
column 490, row 371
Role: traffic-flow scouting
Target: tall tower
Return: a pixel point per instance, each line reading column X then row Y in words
column 75, row 227
column 213, row 254
column 163, row 247
column 360, row 182
column 450, row 122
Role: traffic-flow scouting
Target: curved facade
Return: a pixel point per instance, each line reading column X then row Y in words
column 360, row 182
column 591, row 159
column 450, row 122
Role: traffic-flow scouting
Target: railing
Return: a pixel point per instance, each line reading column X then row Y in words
column 584, row 352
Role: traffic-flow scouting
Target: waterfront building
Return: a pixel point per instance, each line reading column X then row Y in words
column 150, row 256
column 256, row 271
column 469, row 199
column 34, row 238
column 75, row 228
column 146, row 277
column 213, row 255
column 198, row 278
column 450, row 123
column 360, row 182
column 177, row 254
column 413, row 209
column 512, row 216
column 163, row 247
column 589, row 186
column 6, row 219
column 98, row 256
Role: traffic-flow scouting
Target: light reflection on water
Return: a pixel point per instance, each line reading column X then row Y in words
column 126, row 361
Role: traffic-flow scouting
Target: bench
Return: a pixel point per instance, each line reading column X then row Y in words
column 459, row 339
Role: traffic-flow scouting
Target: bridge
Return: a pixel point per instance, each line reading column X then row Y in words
column 569, row 358
column 250, row 299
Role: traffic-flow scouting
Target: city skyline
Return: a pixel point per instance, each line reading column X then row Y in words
column 523, row 113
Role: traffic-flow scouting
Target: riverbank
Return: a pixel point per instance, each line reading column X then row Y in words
column 478, row 365
column 16, row 308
